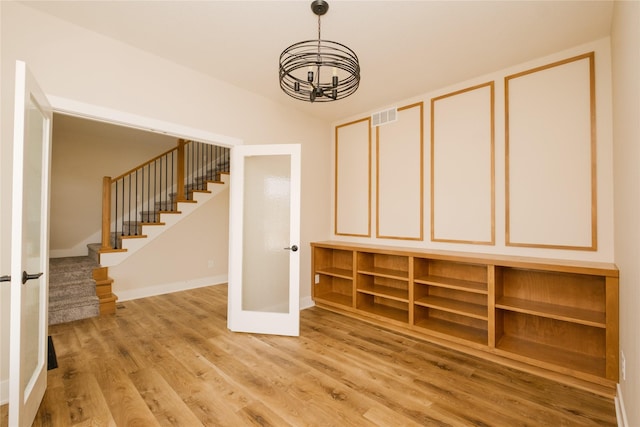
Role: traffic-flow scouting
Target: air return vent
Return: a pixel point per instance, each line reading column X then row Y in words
column 384, row 117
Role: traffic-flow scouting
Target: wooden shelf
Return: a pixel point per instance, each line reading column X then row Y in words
column 336, row 272
column 553, row 355
column 335, row 298
column 385, row 292
column 475, row 335
column 454, row 306
column 552, row 311
column 385, row 311
column 559, row 318
column 447, row 282
column 385, row 272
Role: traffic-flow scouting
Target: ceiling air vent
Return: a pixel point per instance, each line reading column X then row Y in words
column 383, row 117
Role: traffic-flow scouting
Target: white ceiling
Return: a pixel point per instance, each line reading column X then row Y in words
column 405, row 48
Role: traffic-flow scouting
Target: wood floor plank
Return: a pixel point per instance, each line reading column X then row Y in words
column 86, row 403
column 123, row 399
column 171, row 360
column 162, row 400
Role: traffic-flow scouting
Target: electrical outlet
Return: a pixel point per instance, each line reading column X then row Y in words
column 623, row 366
column 317, row 279
column 210, row 263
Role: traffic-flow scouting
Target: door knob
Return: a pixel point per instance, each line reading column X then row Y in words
column 5, row 278
column 26, row 276
column 293, row 248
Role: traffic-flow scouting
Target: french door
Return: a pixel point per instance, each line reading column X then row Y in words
column 264, row 239
column 29, row 249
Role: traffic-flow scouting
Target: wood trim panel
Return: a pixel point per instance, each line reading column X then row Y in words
column 420, row 235
column 509, row 240
column 337, row 180
column 491, row 240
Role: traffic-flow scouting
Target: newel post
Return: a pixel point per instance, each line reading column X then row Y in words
column 106, row 213
column 180, row 170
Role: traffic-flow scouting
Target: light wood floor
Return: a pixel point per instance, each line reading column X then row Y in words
column 170, row 361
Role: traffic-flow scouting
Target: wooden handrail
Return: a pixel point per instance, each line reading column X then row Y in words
column 130, row 171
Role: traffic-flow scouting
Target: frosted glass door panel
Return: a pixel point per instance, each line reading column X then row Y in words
column 29, row 249
column 264, row 239
column 32, row 221
column 265, row 266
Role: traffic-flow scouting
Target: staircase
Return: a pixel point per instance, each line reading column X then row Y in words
column 72, row 289
column 141, row 204
column 138, row 206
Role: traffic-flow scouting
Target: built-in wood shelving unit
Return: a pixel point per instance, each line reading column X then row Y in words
column 556, row 318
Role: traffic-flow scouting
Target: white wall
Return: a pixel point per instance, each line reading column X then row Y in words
column 142, row 275
column 625, row 45
column 75, row 64
column 604, row 147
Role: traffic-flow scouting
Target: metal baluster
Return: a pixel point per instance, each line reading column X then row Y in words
column 115, row 218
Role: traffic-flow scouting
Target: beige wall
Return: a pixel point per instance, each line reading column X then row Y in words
column 141, row 274
column 625, row 42
column 75, row 64
column 604, row 173
column 82, row 153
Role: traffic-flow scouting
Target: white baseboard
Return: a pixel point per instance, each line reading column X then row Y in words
column 621, row 414
column 4, row 392
column 306, row 302
column 167, row 288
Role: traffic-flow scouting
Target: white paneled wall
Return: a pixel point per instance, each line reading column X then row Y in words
column 353, row 178
column 550, row 156
column 399, row 178
column 517, row 162
column 462, row 166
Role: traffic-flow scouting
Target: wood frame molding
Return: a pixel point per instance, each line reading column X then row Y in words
column 420, row 237
column 593, row 154
column 336, row 179
column 492, row 240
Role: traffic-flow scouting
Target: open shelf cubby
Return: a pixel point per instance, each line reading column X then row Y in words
column 391, row 309
column 383, row 265
column 333, row 276
column 565, row 344
column 558, row 317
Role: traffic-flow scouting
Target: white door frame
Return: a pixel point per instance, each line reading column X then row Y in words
column 238, row 318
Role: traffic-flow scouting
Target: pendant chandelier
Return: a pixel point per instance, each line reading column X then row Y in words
column 319, row 70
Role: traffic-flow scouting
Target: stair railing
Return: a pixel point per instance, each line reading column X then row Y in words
column 139, row 195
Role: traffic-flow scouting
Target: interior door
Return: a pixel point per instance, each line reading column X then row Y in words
column 29, row 249
column 264, row 239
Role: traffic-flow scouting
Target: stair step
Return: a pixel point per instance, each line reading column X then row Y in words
column 165, row 205
column 94, row 251
column 73, row 309
column 150, row 216
column 72, row 289
column 76, row 288
column 131, row 227
column 70, row 269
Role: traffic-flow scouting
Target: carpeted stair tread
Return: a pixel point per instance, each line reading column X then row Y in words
column 76, row 288
column 74, row 310
column 72, row 289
